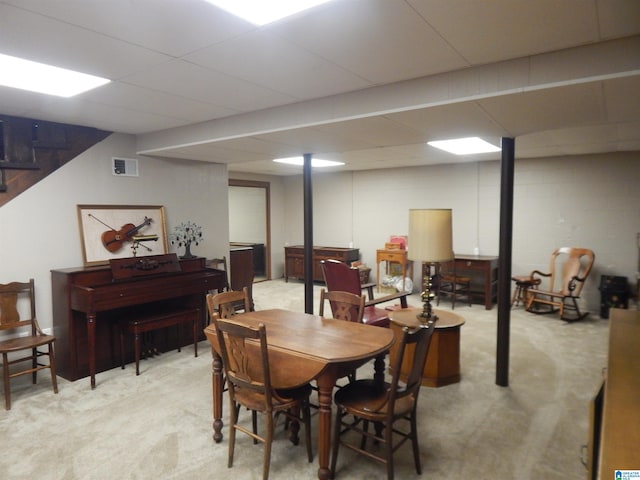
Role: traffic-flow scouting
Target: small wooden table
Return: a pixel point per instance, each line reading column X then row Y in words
column 304, row 347
column 398, row 256
column 483, row 271
column 443, row 361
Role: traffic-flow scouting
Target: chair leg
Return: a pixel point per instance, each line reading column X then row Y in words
column 34, row 365
column 254, row 425
column 268, row 440
column 365, row 429
column 388, row 450
column 5, row 378
column 234, row 410
column 454, row 289
column 414, row 441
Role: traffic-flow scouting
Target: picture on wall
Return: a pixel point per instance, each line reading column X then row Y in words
column 119, row 231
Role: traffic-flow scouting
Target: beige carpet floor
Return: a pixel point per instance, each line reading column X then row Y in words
column 158, row 425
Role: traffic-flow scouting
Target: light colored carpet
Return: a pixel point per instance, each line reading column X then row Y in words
column 158, row 425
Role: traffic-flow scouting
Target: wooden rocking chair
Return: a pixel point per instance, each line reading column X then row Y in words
column 569, row 268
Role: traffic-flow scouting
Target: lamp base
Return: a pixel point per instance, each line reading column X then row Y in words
column 427, row 295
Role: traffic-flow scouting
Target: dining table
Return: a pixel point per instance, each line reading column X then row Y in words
column 302, row 348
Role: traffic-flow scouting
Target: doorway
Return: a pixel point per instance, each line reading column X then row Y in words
column 250, row 222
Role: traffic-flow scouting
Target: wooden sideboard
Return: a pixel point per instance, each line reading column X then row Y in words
column 294, row 260
column 615, row 413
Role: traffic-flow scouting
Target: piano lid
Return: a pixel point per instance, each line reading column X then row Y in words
column 122, row 268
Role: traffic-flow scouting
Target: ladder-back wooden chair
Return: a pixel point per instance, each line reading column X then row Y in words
column 220, row 264
column 569, row 268
column 344, row 305
column 245, row 359
column 12, row 297
column 450, row 284
column 392, row 406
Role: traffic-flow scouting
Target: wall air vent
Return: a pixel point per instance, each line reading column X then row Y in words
column 124, row 167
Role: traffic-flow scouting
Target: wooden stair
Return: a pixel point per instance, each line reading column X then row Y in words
column 52, row 144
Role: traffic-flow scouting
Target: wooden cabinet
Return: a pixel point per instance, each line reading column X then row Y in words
column 294, row 260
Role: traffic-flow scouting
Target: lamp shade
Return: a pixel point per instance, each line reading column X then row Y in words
column 430, row 235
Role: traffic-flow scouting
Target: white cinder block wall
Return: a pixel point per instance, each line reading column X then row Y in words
column 587, row 201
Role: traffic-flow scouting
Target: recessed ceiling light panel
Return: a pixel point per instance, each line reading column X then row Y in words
column 465, row 146
column 315, row 162
column 261, row 12
column 38, row 77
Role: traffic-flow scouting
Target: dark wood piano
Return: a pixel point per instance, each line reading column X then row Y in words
column 89, row 301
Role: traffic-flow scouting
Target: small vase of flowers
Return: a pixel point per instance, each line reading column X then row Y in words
column 184, row 235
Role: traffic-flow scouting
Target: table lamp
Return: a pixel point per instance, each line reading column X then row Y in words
column 430, row 235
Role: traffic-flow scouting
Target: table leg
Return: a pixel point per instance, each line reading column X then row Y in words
column 217, row 382
column 325, row 391
column 91, row 340
column 378, row 369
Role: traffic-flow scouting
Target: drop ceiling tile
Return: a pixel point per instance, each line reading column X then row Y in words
column 265, row 59
column 45, row 40
column 379, row 40
column 618, row 18
column 484, row 32
column 178, row 77
column 174, row 27
column 136, row 98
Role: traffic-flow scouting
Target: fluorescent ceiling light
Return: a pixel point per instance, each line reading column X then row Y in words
column 261, row 12
column 38, row 77
column 465, row 146
column 315, row 162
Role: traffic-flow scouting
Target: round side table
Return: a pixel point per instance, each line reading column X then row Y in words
column 443, row 360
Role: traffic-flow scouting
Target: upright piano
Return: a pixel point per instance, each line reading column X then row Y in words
column 89, row 301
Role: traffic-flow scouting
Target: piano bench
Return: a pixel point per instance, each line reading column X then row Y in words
column 155, row 321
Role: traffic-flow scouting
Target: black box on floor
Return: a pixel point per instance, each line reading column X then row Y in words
column 614, row 293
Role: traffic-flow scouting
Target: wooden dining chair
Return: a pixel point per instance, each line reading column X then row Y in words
column 28, row 336
column 344, row 305
column 245, row 359
column 386, row 406
column 220, row 264
column 339, row 276
column 450, row 284
column 228, row 304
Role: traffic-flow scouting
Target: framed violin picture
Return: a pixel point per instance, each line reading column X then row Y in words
column 119, row 231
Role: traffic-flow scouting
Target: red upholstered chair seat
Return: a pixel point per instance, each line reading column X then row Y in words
column 375, row 316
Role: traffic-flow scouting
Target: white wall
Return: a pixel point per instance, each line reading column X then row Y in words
column 586, row 201
column 39, row 228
